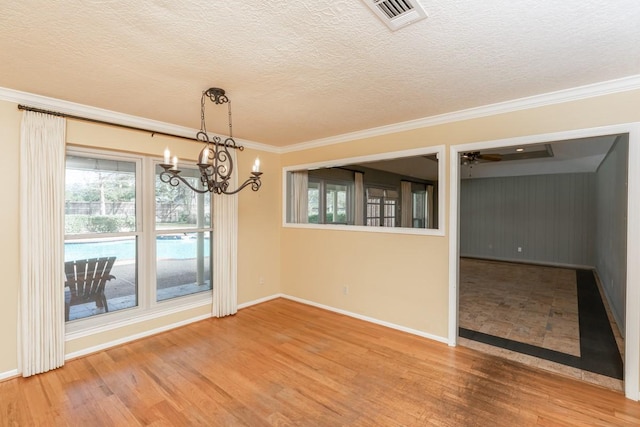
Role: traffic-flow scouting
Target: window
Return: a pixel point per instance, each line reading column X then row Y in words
column 390, row 192
column 101, row 212
column 160, row 256
column 382, row 207
column 419, row 211
column 328, row 202
column 336, row 206
column 314, row 202
column 182, row 237
column 422, row 209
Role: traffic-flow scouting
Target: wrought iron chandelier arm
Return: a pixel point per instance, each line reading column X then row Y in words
column 172, row 178
column 253, row 181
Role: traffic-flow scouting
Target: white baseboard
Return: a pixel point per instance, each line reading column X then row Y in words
column 9, row 374
column 259, row 301
column 443, row 340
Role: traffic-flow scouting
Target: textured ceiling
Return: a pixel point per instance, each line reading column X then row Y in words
column 301, row 70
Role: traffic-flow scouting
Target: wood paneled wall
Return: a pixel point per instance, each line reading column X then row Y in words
column 611, row 228
column 550, row 217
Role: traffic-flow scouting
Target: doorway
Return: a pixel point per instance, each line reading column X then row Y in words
column 632, row 304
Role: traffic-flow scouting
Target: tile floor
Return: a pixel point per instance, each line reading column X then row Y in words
column 536, row 305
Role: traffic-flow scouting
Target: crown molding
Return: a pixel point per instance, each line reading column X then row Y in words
column 94, row 113
column 566, row 95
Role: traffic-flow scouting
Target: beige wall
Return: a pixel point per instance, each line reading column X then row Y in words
column 259, row 216
column 403, row 279
column 400, row 279
column 259, row 230
column 9, row 236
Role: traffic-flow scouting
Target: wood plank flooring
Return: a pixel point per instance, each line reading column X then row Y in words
column 283, row 363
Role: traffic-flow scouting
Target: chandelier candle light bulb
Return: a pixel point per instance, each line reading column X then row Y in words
column 256, row 165
column 204, row 156
column 167, row 156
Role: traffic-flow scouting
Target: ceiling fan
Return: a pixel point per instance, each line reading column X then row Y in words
column 474, row 157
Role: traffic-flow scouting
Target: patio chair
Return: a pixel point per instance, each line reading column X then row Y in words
column 86, row 280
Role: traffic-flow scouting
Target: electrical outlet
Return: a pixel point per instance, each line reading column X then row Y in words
column 519, row 248
column 261, row 282
column 345, row 290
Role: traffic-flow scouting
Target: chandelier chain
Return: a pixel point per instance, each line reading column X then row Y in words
column 230, row 127
column 203, row 123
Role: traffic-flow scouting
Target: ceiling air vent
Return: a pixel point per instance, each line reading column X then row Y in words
column 397, row 13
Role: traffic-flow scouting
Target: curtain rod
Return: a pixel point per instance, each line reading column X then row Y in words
column 103, row 122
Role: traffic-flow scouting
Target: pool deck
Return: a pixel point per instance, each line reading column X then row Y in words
column 177, row 278
column 89, row 309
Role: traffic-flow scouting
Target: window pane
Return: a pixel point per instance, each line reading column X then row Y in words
column 382, row 207
column 180, row 206
column 419, row 209
column 390, row 212
column 83, row 298
column 373, row 211
column 313, row 192
column 99, row 196
column 336, row 207
column 183, row 265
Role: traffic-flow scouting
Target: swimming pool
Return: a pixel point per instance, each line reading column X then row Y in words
column 125, row 249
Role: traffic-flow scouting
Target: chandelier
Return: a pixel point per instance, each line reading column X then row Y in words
column 215, row 161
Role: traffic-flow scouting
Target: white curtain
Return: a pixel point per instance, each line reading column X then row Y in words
column 300, row 197
column 429, row 207
column 358, row 212
column 41, row 306
column 406, row 206
column 225, row 249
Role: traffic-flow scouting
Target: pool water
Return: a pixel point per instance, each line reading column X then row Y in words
column 179, row 248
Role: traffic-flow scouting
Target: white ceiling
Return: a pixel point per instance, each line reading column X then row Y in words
column 302, row 70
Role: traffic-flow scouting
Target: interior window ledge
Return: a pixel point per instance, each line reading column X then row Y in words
column 88, row 328
column 368, row 229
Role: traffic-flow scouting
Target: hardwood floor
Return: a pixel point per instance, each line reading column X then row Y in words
column 284, row 363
